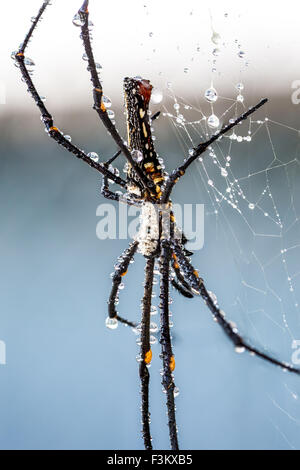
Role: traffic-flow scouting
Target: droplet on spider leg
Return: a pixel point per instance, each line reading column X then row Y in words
column 153, row 327
column 153, row 310
column 153, row 340
column 121, row 286
column 176, row 392
column 93, row 156
column 111, row 323
column 67, row 137
column 78, row 20
column 211, row 95
column 111, row 114
column 239, row 349
column 106, row 101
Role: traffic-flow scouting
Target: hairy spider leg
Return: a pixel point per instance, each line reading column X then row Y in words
column 165, row 340
column 182, row 286
column 146, row 353
column 197, row 283
column 201, row 148
column 47, row 118
column 120, row 272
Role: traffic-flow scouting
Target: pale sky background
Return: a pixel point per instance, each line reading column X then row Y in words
column 267, row 32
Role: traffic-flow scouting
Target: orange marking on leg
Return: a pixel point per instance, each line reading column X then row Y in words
column 148, row 356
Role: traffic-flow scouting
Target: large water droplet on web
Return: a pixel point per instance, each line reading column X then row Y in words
column 213, row 121
column 211, row 95
column 157, row 96
column 111, row 323
column 77, row 20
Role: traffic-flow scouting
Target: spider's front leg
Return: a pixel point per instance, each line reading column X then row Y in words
column 120, row 272
column 198, row 285
column 165, row 340
column 23, row 63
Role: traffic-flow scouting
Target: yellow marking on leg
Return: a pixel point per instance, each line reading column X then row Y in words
column 148, row 356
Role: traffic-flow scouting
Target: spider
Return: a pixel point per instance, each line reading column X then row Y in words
column 148, row 186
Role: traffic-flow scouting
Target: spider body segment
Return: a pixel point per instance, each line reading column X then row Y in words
column 149, row 187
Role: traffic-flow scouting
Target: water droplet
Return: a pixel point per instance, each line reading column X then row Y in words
column 216, row 52
column 251, row 206
column 241, row 54
column 85, row 57
column 68, row 138
column 32, row 19
column 151, row 34
column 240, row 98
column 186, row 69
column 137, row 155
column 157, row 96
column 98, row 66
column 211, row 95
column 216, row 38
column 111, row 323
column 176, row 392
column 153, row 310
column 210, row 182
column 239, row 349
column 153, row 340
column 239, row 86
column 177, row 106
column 29, row 62
column 213, row 121
column 93, row 156
column 121, row 286
column 153, row 327
column 78, row 21
column 224, row 172
column 13, row 55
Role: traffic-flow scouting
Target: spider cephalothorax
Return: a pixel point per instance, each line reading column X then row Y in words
column 137, row 93
column 146, row 185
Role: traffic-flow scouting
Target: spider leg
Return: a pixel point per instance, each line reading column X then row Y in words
column 198, row 285
column 181, row 289
column 165, row 340
column 108, row 194
column 46, row 117
column 146, row 353
column 120, row 272
column 99, row 105
column 201, row 148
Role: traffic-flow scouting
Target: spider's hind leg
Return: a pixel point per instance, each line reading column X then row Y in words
column 120, row 272
column 198, row 285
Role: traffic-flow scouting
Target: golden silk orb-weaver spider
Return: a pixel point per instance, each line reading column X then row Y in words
column 146, row 185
